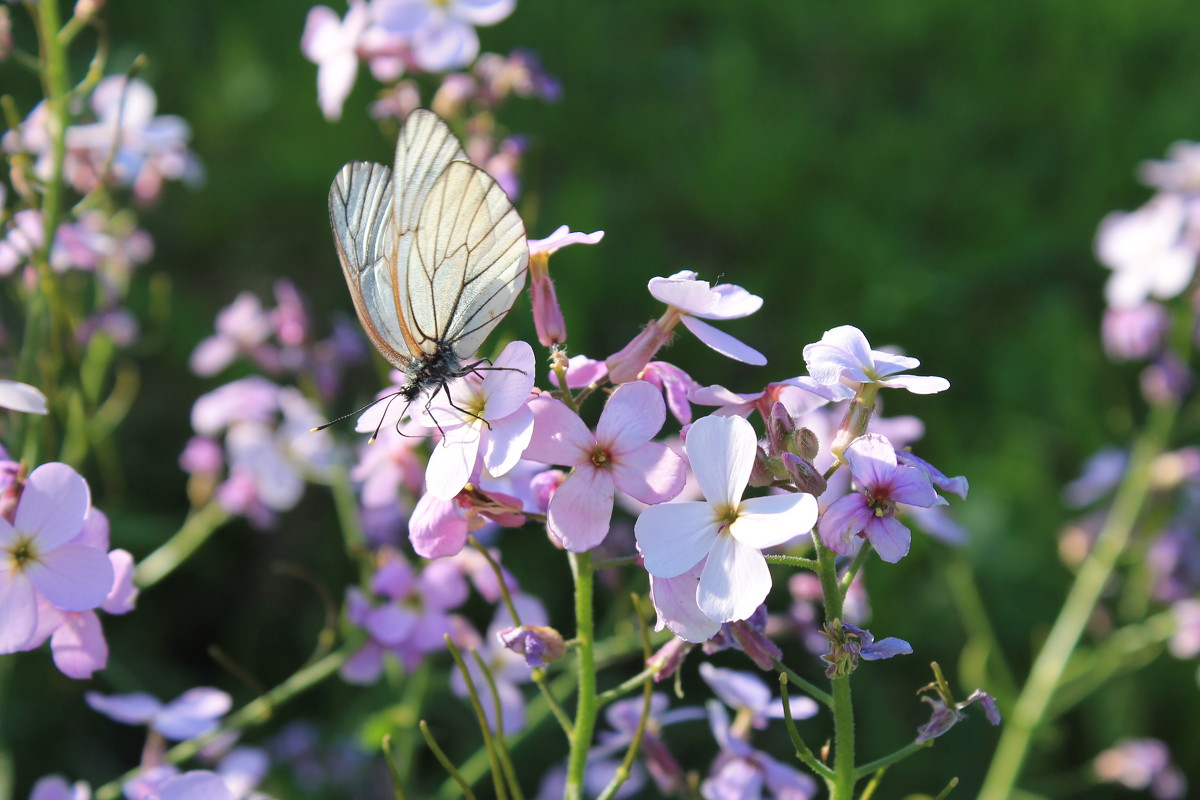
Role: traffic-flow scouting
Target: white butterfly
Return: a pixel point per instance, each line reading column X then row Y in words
column 433, row 251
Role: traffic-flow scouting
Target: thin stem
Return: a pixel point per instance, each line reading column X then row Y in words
column 625, row 687
column 484, row 728
column 196, row 529
column 855, row 566
column 585, row 706
column 792, row 561
column 495, row 565
column 843, row 706
column 255, row 712
column 816, row 693
column 1030, row 708
column 892, row 758
column 635, row 744
column 446, row 763
column 803, row 751
column 510, row 774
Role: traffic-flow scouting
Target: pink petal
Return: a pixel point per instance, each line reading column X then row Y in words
column 436, row 529
column 95, row 530
column 675, row 601
column 335, row 79
column 633, row 415
column 212, row 355
column 684, row 291
column 772, row 520
column 507, row 440
column 123, row 594
column 321, row 33
column 722, row 342
column 73, row 577
column 842, row 522
column 78, row 646
column 451, row 462
column 653, row 473
column 559, row 435
column 53, row 506
column 562, row 237
column 872, row 459
column 911, row 485
column 733, row 302
column 735, row 580
column 581, row 509
column 721, row 452
column 18, row 611
column 889, row 537
column 674, row 537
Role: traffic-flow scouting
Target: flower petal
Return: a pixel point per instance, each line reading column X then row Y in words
column 674, row 537
column 774, row 519
column 22, row 397
column 917, row 384
column 559, row 435
column 135, row 708
column 721, row 452
column 633, row 415
column 78, row 646
column 581, row 509
column 843, row 349
column 18, row 611
column 842, row 522
column 653, row 473
column 889, row 536
column 722, row 342
column 732, row 302
column 508, row 382
column 73, row 577
column 506, row 441
column 53, row 505
column 735, row 580
column 675, row 601
column 451, row 462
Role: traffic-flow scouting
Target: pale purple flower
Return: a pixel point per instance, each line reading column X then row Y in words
column 55, row 787
column 166, row 783
column 194, row 712
column 850, row 643
column 520, row 73
column 749, row 696
column 1142, row 764
column 547, row 315
column 946, row 715
column 1185, row 641
column 24, row 236
column 39, row 559
column 689, row 300
column 18, row 396
column 332, row 44
column 486, row 417
column 581, row 371
column 727, row 530
column 845, row 356
column 1102, row 472
column 1146, row 252
column 750, row 636
column 242, row 328
column 740, row 772
column 619, row 455
column 441, row 34
column 1135, row 333
column 675, row 602
column 799, row 396
column 250, row 399
column 870, row 514
column 675, row 385
column 1173, row 561
column 1179, row 172
column 149, row 148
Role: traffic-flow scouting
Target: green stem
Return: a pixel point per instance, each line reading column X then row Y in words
column 888, row 760
column 586, row 706
column 791, row 561
column 843, row 706
column 195, row 531
column 812, row 689
column 625, row 687
column 255, row 712
column 803, row 751
column 1044, row 677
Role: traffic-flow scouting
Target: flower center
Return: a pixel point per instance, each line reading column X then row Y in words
column 725, row 516
column 22, row 554
column 882, row 506
column 600, row 457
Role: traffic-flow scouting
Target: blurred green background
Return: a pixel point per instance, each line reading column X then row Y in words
column 931, row 172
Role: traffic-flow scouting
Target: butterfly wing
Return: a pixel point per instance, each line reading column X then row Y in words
column 468, row 260
column 360, row 211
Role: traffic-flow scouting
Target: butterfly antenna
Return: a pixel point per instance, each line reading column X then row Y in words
column 390, row 399
column 322, row 427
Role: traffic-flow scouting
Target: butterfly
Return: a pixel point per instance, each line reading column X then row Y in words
column 433, row 251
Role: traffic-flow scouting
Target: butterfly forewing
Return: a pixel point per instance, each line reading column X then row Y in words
column 360, row 211
column 469, row 259
column 425, row 148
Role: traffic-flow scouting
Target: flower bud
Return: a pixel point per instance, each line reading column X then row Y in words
column 807, row 477
column 669, row 658
column 766, row 469
column 540, row 645
column 807, row 445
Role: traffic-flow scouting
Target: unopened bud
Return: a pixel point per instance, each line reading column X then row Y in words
column 669, row 658
column 807, row 445
column 538, row 644
column 780, row 427
column 764, row 472
column 807, row 477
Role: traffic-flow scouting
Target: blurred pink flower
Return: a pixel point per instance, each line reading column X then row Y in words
column 332, row 44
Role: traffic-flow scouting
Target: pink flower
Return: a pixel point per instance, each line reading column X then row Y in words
column 619, row 455
column 688, row 300
column 39, row 562
column 727, row 530
column 871, row 514
column 845, row 356
column 485, row 415
column 331, row 43
column 441, row 32
column 547, row 316
column 1146, row 252
column 242, row 327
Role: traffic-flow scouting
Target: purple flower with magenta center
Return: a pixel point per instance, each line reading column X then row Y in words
column 871, row 513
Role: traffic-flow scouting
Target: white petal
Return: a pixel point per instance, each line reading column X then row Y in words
column 673, row 537
column 721, row 452
column 735, row 581
column 774, row 519
column 22, row 397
